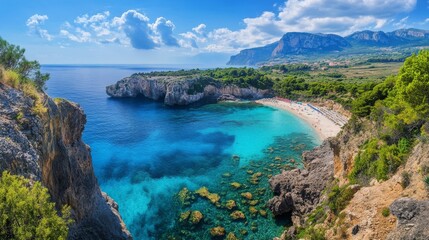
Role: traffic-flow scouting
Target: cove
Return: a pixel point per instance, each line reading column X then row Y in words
column 144, row 154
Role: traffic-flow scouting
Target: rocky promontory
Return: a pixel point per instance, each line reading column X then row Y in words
column 46, row 146
column 182, row 91
column 298, row 191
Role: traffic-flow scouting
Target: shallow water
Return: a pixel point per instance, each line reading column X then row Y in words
column 144, row 153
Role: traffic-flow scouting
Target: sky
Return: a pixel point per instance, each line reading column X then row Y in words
column 203, row 32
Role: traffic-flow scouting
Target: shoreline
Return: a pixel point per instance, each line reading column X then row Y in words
column 324, row 126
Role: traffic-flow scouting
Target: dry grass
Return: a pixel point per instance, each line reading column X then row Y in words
column 12, row 79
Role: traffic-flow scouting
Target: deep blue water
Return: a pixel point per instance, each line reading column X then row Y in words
column 144, row 153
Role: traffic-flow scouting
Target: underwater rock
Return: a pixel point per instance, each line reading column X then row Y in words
column 253, row 202
column 231, row 236
column 212, row 197
column 217, row 231
column 235, row 185
column 196, row 217
column 247, row 195
column 253, row 210
column 227, row 175
column 237, row 215
column 185, row 197
column 230, row 204
column 184, row 216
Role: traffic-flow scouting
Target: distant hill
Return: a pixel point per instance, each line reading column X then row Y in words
column 308, row 44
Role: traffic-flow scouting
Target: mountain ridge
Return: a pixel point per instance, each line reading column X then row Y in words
column 310, row 44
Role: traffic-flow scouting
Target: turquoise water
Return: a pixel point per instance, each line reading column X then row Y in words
column 144, row 153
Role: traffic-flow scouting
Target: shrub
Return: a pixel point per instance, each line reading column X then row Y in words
column 426, row 180
column 339, row 198
column 27, row 212
column 406, row 179
column 385, row 212
column 311, row 233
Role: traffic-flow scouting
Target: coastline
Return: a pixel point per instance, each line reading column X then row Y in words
column 323, row 125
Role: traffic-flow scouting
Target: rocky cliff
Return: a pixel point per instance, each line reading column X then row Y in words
column 299, row 191
column 180, row 91
column 48, row 147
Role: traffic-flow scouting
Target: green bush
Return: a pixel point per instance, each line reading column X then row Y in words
column 26, row 211
column 311, row 233
column 385, row 212
column 379, row 160
column 426, row 180
column 339, row 198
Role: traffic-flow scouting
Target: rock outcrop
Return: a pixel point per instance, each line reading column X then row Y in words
column 412, row 219
column 299, row 191
column 180, row 91
column 49, row 148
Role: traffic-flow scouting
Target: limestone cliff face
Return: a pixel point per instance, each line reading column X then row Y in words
column 299, row 191
column 182, row 91
column 49, row 148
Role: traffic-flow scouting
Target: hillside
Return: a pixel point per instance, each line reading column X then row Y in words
column 373, row 175
column 300, row 46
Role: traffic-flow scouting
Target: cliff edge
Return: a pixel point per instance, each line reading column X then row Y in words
column 181, row 91
column 48, row 147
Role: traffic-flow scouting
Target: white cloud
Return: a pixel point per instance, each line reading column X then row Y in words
column 200, row 29
column 402, row 23
column 164, row 29
column 327, row 16
column 79, row 36
column 131, row 28
column 34, row 24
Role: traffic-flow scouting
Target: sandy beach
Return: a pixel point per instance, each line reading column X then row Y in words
column 324, row 126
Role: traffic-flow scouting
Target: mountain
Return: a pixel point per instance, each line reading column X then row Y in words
column 308, row 44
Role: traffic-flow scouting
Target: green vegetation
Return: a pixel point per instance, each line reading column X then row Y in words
column 17, row 72
column 339, row 198
column 12, row 59
column 242, row 77
column 400, row 108
column 385, row 212
column 311, row 233
column 27, row 213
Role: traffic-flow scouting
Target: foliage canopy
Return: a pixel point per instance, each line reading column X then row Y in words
column 26, row 211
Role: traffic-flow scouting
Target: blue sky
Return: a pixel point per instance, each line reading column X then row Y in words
column 185, row 31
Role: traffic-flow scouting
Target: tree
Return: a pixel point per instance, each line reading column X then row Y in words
column 12, row 58
column 26, row 211
column 413, row 83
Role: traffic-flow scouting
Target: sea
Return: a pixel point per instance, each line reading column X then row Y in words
column 162, row 165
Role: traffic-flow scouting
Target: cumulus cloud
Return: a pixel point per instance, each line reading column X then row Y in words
column 164, row 28
column 131, row 28
column 137, row 28
column 35, row 22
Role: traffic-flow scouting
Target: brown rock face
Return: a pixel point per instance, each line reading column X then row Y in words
column 299, row 191
column 50, row 149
